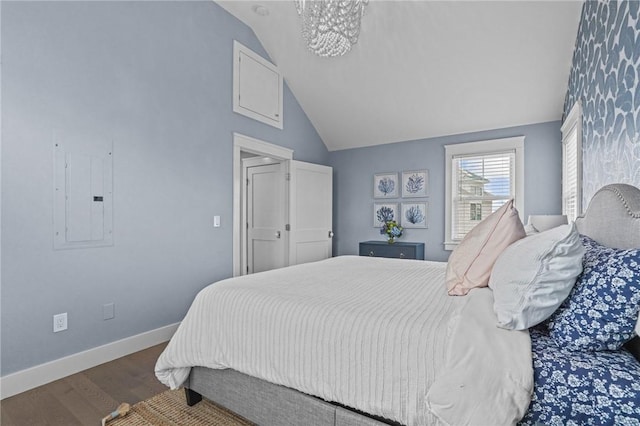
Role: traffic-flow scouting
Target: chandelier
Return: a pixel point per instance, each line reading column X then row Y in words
column 330, row 27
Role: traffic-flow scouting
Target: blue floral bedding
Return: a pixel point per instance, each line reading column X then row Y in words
column 602, row 309
column 582, row 388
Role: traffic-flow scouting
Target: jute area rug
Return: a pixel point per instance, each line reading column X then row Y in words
column 170, row 409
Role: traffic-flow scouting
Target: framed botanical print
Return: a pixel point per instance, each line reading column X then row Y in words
column 414, row 215
column 383, row 212
column 385, row 185
column 415, row 184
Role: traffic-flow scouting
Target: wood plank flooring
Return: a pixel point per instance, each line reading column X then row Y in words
column 86, row 397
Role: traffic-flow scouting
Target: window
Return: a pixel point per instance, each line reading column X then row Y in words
column 480, row 178
column 475, row 210
column 572, row 163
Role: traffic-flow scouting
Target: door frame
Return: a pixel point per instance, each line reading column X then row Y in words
column 243, row 143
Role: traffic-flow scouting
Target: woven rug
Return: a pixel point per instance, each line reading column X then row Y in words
column 170, row 409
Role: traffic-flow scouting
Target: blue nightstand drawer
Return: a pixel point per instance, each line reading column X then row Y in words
column 398, row 250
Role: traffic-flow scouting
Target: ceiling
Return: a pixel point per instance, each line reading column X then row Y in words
column 423, row 69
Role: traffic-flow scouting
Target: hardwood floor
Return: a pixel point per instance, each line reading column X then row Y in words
column 86, row 397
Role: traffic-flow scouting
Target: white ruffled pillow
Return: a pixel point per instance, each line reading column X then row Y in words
column 533, row 276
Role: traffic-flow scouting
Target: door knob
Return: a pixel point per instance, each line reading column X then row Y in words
column 277, row 234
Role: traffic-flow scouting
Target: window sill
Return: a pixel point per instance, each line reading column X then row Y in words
column 450, row 245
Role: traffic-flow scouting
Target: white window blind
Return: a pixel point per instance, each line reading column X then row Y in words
column 479, row 178
column 572, row 163
column 481, row 184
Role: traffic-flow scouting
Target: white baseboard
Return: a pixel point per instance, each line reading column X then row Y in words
column 30, row 378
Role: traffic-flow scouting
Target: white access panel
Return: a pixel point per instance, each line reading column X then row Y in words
column 83, row 198
column 257, row 87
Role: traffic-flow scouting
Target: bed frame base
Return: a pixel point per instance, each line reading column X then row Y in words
column 265, row 403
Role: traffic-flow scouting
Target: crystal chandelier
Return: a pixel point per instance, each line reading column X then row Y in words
column 330, row 27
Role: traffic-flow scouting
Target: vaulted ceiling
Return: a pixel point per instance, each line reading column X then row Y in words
column 423, row 69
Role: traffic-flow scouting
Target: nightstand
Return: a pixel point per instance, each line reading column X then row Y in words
column 399, row 250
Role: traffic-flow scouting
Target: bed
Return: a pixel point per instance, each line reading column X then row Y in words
column 360, row 341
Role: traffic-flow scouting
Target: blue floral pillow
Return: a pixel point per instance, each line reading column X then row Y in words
column 602, row 309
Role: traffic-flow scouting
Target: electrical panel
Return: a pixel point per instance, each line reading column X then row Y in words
column 83, row 197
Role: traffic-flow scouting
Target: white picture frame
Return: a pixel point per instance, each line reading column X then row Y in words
column 392, row 207
column 415, row 183
column 414, row 215
column 385, row 185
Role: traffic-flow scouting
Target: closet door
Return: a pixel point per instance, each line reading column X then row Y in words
column 266, row 201
column 310, row 212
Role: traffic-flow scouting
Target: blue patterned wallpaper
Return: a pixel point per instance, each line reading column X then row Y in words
column 605, row 76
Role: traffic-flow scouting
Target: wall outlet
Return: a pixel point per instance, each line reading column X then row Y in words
column 59, row 322
column 108, row 311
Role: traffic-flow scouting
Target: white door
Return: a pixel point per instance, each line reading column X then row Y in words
column 310, row 212
column 266, row 248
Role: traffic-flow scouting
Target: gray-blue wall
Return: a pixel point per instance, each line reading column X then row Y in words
column 156, row 77
column 354, row 170
column 605, row 77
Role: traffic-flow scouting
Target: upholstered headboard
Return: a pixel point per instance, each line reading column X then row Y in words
column 613, row 220
column 613, row 217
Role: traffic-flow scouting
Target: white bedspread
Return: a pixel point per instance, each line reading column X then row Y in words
column 366, row 332
column 369, row 333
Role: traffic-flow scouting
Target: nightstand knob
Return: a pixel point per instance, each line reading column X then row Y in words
column 401, row 255
column 371, row 253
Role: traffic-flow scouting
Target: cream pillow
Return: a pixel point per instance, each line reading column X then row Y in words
column 533, row 276
column 471, row 262
column 638, row 326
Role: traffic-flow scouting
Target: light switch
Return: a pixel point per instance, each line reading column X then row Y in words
column 216, row 221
